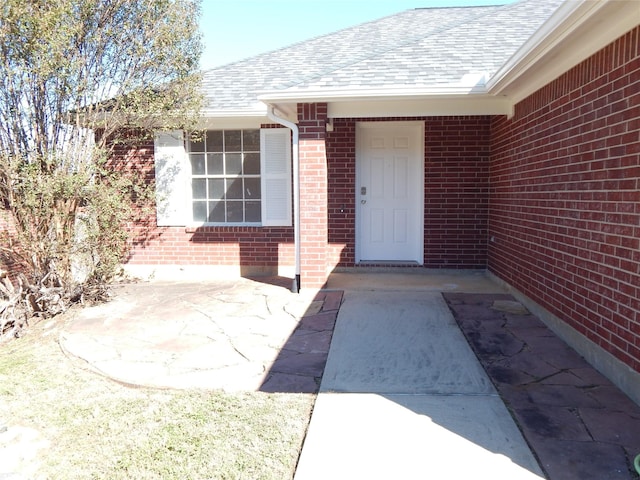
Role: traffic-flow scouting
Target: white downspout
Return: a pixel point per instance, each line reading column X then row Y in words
column 296, row 190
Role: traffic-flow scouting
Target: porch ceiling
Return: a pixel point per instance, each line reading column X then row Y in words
column 405, row 106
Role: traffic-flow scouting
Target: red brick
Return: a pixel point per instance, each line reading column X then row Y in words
column 588, row 245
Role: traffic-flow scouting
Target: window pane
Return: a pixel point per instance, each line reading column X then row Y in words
column 214, row 164
column 199, row 211
column 197, row 164
column 234, row 212
column 234, row 188
column 251, row 164
column 216, row 188
column 196, row 142
column 233, row 163
column 252, row 212
column 214, row 141
column 225, row 167
column 252, row 188
column 199, row 188
column 233, row 140
column 216, row 211
column 251, row 140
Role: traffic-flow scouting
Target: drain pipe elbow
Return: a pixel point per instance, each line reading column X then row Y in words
column 271, row 112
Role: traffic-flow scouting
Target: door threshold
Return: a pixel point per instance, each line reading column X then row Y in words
column 386, row 263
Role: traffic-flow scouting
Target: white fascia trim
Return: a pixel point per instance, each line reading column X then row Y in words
column 534, row 48
column 424, row 107
column 568, row 37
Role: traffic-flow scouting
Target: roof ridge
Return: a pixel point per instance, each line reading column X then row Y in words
column 401, row 44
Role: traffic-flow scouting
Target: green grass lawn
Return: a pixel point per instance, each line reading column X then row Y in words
column 95, row 428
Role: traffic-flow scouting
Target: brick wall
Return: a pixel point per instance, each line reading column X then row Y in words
column 565, row 198
column 456, row 191
column 313, row 195
column 341, row 167
column 218, row 246
column 456, row 196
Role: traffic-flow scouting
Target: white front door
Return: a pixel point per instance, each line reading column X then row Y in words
column 389, row 192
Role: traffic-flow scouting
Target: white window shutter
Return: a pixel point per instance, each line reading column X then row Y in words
column 172, row 178
column 275, row 171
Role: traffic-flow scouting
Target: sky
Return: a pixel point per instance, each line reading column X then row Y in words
column 237, row 29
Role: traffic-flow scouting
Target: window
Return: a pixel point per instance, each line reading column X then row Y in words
column 228, row 177
column 225, row 177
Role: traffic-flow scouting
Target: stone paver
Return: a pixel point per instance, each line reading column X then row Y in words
column 579, row 425
column 234, row 335
column 305, row 352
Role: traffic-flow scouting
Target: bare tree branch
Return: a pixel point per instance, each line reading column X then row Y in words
column 71, row 69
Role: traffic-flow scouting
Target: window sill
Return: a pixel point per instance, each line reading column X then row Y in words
column 195, row 228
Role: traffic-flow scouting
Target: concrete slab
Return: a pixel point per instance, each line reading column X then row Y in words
column 403, row 396
column 390, row 342
column 413, row 279
column 414, row 437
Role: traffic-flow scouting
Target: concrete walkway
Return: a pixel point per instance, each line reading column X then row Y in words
column 403, row 396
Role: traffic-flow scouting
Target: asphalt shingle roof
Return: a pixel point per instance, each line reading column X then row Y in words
column 422, row 47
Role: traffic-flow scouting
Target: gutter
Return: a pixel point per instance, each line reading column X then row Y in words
column 271, row 112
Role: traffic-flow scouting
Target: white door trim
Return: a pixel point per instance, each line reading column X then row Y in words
column 418, row 130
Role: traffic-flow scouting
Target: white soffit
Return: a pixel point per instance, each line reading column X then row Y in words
column 441, row 106
column 577, row 30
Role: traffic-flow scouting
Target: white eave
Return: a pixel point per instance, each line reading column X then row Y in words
column 468, row 97
column 577, row 30
column 241, row 118
column 432, row 105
